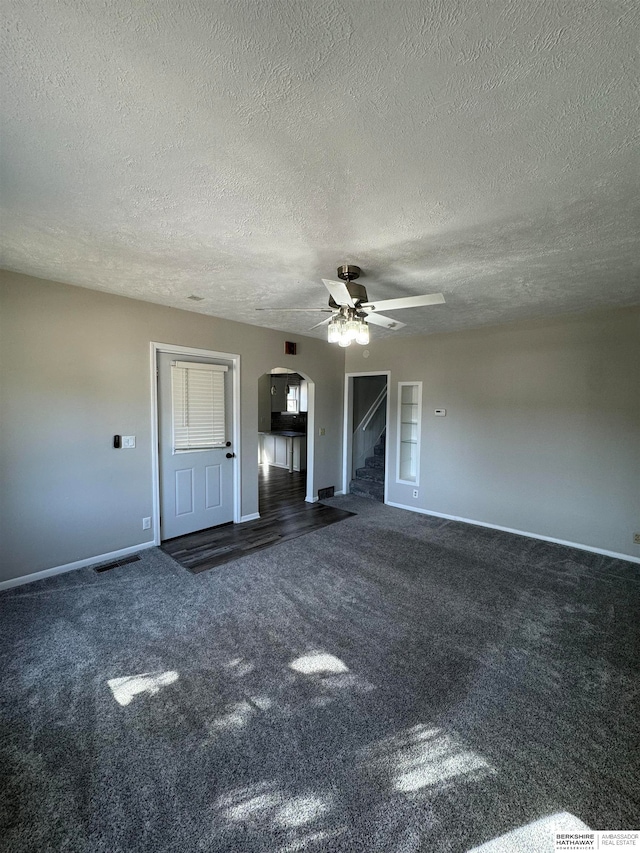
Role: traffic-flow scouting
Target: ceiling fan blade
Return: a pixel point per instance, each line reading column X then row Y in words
column 404, row 302
column 338, row 289
column 279, row 310
column 381, row 320
column 322, row 323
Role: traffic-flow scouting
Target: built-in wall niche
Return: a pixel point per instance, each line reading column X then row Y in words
column 409, row 429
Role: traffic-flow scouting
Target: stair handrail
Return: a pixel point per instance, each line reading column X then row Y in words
column 373, row 408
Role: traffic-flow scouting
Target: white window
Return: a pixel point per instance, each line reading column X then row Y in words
column 293, row 398
column 197, row 393
column 409, row 424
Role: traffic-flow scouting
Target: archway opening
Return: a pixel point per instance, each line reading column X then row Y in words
column 286, row 439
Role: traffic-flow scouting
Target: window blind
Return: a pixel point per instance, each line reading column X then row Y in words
column 197, row 394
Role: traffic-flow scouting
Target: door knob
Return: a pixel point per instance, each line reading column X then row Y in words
column 228, row 444
column 231, row 455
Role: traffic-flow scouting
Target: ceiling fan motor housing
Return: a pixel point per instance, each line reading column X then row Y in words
column 356, row 291
column 348, row 272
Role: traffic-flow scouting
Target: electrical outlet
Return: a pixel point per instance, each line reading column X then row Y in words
column 415, row 493
column 128, row 441
column 636, row 538
column 146, row 523
column 321, row 430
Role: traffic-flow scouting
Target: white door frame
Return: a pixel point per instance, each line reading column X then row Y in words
column 311, row 431
column 234, row 358
column 348, row 432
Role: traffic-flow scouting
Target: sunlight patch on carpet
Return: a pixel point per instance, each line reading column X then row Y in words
column 329, row 673
column 301, row 810
column 422, row 757
column 347, row 682
column 125, row 689
column 252, row 806
column 312, row 840
column 316, row 663
column 266, row 803
column 533, row 837
column 240, row 667
column 237, row 716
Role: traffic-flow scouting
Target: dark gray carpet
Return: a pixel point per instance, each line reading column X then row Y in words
column 390, row 683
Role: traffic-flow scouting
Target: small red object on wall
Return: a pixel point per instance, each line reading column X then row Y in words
column 290, row 348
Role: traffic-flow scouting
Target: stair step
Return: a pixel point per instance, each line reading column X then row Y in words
column 367, row 489
column 374, row 462
column 378, row 450
column 375, row 474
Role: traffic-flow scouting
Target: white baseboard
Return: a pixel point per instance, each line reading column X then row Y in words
column 78, row 564
column 311, row 500
column 339, row 492
column 579, row 545
column 251, row 517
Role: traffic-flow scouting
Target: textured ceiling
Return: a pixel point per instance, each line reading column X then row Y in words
column 239, row 151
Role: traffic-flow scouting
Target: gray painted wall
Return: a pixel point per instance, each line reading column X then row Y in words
column 542, row 432
column 74, row 371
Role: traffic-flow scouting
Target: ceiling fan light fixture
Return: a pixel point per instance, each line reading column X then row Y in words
column 347, row 327
column 353, row 327
column 345, row 334
column 363, row 334
column 333, row 330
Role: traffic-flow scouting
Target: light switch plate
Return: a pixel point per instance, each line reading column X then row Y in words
column 128, row 441
column 440, row 413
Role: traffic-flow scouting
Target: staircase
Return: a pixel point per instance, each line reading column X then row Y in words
column 369, row 481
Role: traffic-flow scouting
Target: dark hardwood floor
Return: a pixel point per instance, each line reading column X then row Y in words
column 284, row 515
column 277, row 488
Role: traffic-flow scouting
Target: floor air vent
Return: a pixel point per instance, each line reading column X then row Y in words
column 114, row 565
column 326, row 493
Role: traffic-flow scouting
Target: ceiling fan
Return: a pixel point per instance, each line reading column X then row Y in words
column 351, row 309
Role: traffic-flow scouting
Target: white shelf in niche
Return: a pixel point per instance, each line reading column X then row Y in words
column 409, row 424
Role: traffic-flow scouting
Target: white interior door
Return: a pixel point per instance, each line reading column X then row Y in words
column 195, row 453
